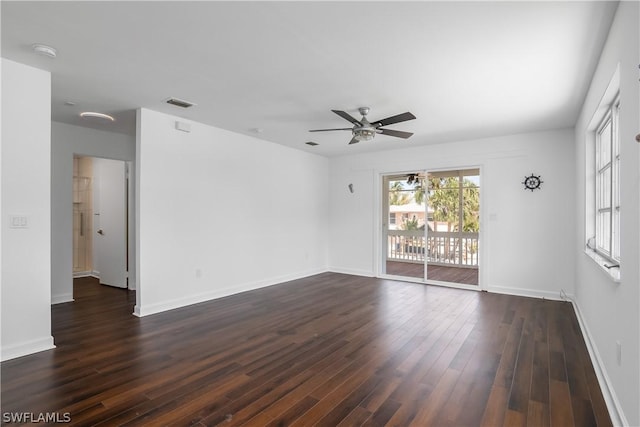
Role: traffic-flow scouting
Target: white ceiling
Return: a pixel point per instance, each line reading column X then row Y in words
column 465, row 69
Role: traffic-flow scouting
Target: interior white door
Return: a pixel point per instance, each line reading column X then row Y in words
column 110, row 222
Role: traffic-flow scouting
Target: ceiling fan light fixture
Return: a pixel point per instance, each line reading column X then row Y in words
column 364, row 134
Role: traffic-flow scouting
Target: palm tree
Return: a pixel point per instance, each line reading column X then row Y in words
column 397, row 194
column 420, row 192
column 411, row 224
column 444, row 199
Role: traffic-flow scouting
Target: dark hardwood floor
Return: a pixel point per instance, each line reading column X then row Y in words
column 327, row 350
column 441, row 273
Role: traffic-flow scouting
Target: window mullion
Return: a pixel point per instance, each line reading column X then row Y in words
column 611, row 198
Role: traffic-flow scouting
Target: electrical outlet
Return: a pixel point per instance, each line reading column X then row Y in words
column 198, row 273
column 18, row 221
column 619, row 352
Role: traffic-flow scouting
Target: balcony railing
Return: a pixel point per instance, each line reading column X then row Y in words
column 439, row 247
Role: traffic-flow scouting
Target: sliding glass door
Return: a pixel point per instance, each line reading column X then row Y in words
column 432, row 225
column 404, row 237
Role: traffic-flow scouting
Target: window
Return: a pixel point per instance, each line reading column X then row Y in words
column 392, row 218
column 607, row 185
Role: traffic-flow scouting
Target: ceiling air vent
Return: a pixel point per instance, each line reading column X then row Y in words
column 311, row 143
column 180, row 103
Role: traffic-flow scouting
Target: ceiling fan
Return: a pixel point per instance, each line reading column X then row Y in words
column 364, row 130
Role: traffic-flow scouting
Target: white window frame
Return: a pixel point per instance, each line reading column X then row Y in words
column 606, row 209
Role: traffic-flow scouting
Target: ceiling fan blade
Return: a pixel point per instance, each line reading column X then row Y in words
column 348, row 117
column 396, row 133
column 326, row 130
column 394, row 119
column 353, row 141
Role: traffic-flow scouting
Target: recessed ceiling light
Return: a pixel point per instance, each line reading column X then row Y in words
column 256, row 130
column 43, row 49
column 311, row 143
column 97, row 115
column 69, row 103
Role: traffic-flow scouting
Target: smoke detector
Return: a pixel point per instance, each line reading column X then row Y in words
column 44, row 50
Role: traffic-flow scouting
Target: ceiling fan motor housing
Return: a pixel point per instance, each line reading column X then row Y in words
column 365, row 131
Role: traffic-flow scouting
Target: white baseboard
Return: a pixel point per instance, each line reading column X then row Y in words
column 25, row 348
column 81, row 274
column 150, row 309
column 351, row 271
column 59, row 299
column 613, row 404
column 533, row 293
column 86, row 274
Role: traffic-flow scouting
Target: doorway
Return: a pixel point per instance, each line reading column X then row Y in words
column 432, row 226
column 100, row 220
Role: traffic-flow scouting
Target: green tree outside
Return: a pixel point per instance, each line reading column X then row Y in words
column 444, row 199
column 398, row 194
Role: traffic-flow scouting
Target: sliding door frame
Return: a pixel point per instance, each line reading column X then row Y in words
column 381, row 217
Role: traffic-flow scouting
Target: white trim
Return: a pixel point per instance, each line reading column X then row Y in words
column 78, row 274
column 531, row 293
column 380, row 217
column 613, row 404
column 26, row 348
column 142, row 311
column 613, row 273
column 352, row 271
column 482, row 234
column 92, row 273
column 61, row 298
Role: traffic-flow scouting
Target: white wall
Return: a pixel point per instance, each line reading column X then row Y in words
column 26, row 253
column 525, row 236
column 67, row 140
column 610, row 311
column 191, row 184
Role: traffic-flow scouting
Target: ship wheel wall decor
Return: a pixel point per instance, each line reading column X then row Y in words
column 532, row 182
